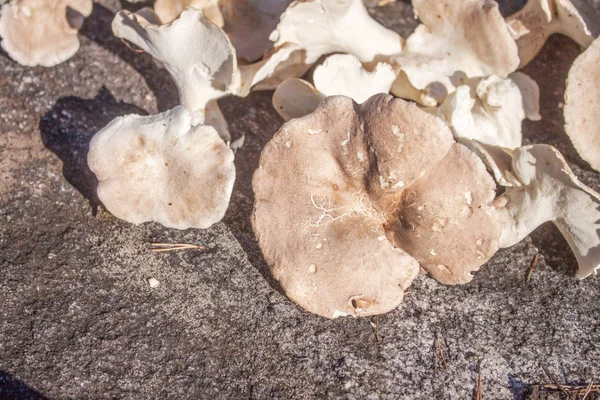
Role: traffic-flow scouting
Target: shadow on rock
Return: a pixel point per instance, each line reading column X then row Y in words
column 256, row 119
column 98, row 27
column 68, row 128
column 14, row 389
column 554, row 249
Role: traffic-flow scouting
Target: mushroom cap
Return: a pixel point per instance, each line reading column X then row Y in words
column 295, row 98
column 456, row 39
column 343, row 74
column 327, row 26
column 582, row 102
column 196, row 52
column 491, row 110
column 42, row 32
column 539, row 19
column 549, row 191
column 168, row 10
column 161, row 168
column 249, row 23
column 333, row 199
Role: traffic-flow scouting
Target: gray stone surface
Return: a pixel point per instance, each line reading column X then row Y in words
column 79, row 320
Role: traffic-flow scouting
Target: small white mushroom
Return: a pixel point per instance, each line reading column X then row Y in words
column 582, row 105
column 196, row 52
column 456, row 40
column 340, row 74
column 549, row 191
column 539, row 19
column 295, row 98
column 490, row 110
column 320, row 27
column 42, row 32
column 161, row 168
column 343, row 74
column 168, row 10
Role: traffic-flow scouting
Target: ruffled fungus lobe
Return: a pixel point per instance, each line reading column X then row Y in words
column 321, row 27
column 197, row 54
column 547, row 190
column 456, row 40
column 42, row 32
column 582, row 102
column 351, row 198
column 161, row 168
column 340, row 74
column 168, row 10
column 539, row 19
column 491, row 110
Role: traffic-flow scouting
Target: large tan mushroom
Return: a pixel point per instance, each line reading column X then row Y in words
column 547, row 190
column 456, row 40
column 582, row 102
column 42, row 32
column 350, row 198
column 161, row 168
column 539, row 19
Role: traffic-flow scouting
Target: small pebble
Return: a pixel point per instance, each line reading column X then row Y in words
column 153, row 282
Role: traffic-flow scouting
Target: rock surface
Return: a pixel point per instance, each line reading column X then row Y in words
column 78, row 318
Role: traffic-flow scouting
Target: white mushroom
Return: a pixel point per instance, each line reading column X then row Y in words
column 42, row 32
column 161, row 168
column 168, row 10
column 539, row 19
column 340, row 74
column 582, row 105
column 321, row 27
column 196, row 52
column 490, row 110
column 456, row 40
column 549, row 191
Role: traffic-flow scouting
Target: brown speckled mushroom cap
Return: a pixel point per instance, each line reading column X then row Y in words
column 349, row 199
column 42, row 32
column 161, row 168
column 582, row 101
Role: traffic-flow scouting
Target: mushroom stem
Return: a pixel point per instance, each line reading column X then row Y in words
column 551, row 192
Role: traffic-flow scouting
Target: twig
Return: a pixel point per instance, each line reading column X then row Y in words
column 163, row 247
column 588, row 390
column 552, row 378
column 533, row 265
column 439, row 353
column 375, row 327
column 479, row 394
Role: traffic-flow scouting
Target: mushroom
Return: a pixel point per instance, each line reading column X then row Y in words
column 549, row 191
column 168, row 10
column 161, row 168
column 247, row 23
column 539, row 19
column 490, row 110
column 42, row 32
column 456, row 40
column 197, row 54
column 321, row 27
column 582, row 101
column 340, row 74
column 351, row 198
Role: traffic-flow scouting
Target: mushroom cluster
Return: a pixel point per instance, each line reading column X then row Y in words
column 359, row 190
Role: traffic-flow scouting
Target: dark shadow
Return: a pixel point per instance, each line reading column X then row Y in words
column 550, row 69
column 68, row 128
column 98, row 27
column 519, row 389
column 254, row 117
column 554, row 249
column 13, row 389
